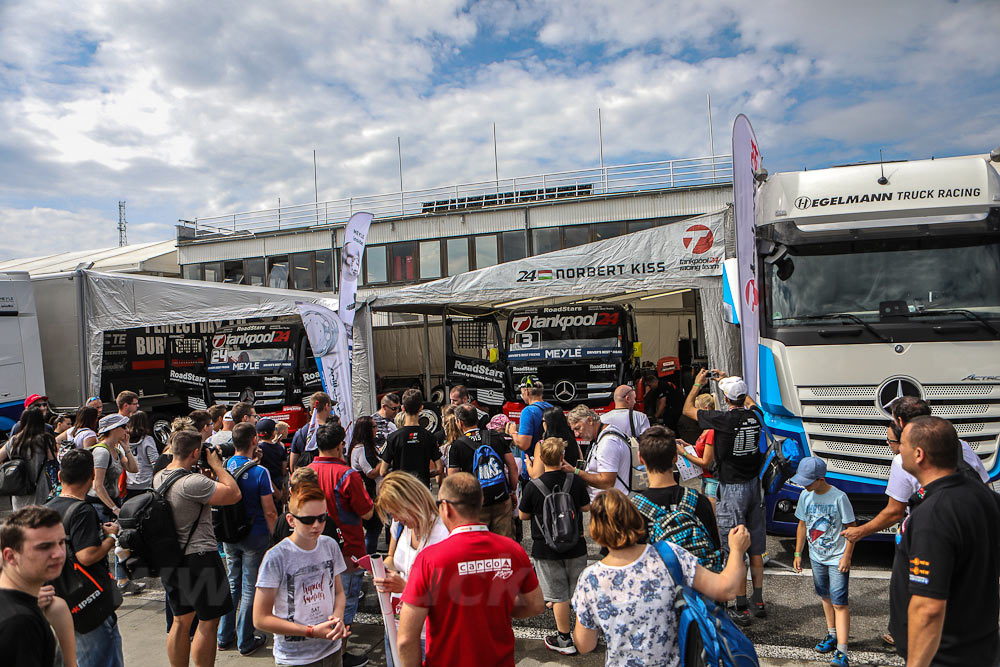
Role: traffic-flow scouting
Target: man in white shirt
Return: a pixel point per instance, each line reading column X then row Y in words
column 609, row 464
column 625, row 417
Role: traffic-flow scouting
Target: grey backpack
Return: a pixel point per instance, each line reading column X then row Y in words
column 558, row 521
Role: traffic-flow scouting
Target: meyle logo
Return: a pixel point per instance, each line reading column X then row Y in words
column 565, row 321
column 698, row 239
column 478, row 369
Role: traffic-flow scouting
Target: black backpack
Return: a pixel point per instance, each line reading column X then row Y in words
column 16, row 479
column 90, row 591
column 232, row 523
column 558, row 521
column 149, row 532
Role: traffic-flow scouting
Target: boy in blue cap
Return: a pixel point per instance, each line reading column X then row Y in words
column 823, row 512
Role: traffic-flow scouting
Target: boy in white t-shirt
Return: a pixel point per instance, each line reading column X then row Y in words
column 823, row 512
column 307, row 618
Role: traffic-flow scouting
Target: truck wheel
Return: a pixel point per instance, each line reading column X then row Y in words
column 438, row 395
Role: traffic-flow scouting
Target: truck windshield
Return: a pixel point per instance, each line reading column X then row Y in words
column 928, row 275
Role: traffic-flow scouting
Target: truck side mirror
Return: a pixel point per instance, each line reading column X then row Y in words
column 637, row 350
column 494, row 355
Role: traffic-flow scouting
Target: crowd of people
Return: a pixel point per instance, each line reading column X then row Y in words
column 272, row 539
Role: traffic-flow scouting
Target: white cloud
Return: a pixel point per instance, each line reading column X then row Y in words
column 191, row 109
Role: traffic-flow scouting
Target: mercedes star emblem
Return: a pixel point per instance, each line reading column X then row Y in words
column 894, row 389
column 565, row 391
column 248, row 395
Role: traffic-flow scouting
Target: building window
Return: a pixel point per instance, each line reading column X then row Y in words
column 302, row 271
column 191, row 272
column 375, row 271
column 430, row 259
column 324, row 271
column 256, row 271
column 607, row 230
column 213, row 272
column 576, row 235
column 512, row 246
column 277, row 272
column 403, row 261
column 544, row 240
column 486, row 251
column 234, row 273
column 458, row 255
column 639, row 225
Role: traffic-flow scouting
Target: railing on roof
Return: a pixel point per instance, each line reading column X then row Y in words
column 595, row 182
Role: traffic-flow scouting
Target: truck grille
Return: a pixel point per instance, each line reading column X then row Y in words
column 846, row 428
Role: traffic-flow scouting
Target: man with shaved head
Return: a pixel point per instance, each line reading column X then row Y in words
column 625, row 417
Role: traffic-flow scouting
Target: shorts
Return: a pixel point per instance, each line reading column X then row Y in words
column 710, row 487
column 498, row 518
column 830, row 583
column 558, row 577
column 199, row 585
column 742, row 503
column 335, row 659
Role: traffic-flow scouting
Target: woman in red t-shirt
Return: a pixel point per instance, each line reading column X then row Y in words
column 704, row 449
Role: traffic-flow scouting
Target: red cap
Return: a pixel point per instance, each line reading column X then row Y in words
column 31, row 399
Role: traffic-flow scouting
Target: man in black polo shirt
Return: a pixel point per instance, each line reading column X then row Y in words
column 944, row 596
column 497, row 472
column 737, row 449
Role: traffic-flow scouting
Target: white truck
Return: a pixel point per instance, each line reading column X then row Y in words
column 20, row 352
column 877, row 281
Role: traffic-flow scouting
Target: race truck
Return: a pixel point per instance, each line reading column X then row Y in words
column 877, row 281
column 269, row 364
column 579, row 352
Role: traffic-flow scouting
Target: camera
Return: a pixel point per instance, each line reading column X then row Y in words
column 203, row 460
column 713, row 375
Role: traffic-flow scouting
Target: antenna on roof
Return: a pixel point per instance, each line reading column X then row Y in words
column 882, row 180
column 122, row 236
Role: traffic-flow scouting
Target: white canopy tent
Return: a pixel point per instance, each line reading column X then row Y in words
column 682, row 255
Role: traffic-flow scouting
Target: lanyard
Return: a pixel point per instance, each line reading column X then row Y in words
column 472, row 528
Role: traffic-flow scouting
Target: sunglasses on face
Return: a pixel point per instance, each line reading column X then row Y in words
column 891, row 442
column 441, row 501
column 310, row 520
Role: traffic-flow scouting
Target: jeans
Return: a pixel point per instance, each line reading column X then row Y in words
column 101, row 647
column 243, row 559
column 830, row 583
column 352, row 582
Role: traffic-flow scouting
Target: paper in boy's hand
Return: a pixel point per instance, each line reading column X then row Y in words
column 687, row 469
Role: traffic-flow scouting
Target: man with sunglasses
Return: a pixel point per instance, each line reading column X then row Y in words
column 467, row 587
column 384, row 419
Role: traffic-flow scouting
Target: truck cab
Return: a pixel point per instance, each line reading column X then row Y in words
column 267, row 364
column 581, row 353
column 877, row 281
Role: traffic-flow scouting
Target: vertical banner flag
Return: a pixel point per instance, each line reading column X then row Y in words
column 355, row 236
column 328, row 337
column 746, row 160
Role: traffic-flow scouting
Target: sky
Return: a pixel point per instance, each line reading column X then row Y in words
column 191, row 109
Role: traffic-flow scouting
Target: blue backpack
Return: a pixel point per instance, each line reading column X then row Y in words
column 707, row 636
column 488, row 468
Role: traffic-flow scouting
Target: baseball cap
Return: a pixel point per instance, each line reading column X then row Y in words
column 110, row 423
column 34, row 398
column 228, row 417
column 529, row 381
column 810, row 469
column 266, row 425
column 733, row 387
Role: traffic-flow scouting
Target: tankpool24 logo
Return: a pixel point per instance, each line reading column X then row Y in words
column 698, row 239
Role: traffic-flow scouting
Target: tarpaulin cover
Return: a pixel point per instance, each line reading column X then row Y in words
column 680, row 255
column 116, row 301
